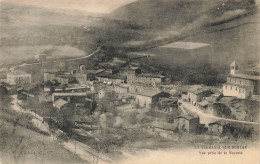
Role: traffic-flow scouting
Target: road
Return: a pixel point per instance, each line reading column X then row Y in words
column 79, row 58
column 206, row 118
column 85, row 152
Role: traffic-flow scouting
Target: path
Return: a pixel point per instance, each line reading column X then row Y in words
column 79, row 58
column 207, row 118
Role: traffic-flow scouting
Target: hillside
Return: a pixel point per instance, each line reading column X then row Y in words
column 22, row 25
column 157, row 22
column 230, row 28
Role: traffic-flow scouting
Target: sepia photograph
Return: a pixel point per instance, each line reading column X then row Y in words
column 129, row 81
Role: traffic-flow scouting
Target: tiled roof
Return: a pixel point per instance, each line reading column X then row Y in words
column 199, row 91
column 245, row 76
column 187, row 117
column 109, row 75
column 122, row 85
column 203, row 103
column 18, row 72
column 149, row 92
column 94, row 71
column 70, row 94
column 220, row 122
column 59, row 103
column 149, row 75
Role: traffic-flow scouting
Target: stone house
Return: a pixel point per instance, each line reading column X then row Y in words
column 148, row 97
column 121, row 88
column 187, row 123
column 220, row 127
column 195, row 96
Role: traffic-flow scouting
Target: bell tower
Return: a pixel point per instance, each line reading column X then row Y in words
column 234, row 68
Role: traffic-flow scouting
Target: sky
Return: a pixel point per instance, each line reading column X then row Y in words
column 96, row 6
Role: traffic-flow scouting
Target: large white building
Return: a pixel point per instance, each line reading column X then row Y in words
column 19, row 77
column 240, row 85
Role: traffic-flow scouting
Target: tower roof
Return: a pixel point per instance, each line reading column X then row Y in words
column 234, row 63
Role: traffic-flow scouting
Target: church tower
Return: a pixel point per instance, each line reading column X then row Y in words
column 234, row 68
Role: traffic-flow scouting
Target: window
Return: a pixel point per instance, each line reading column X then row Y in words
column 240, row 81
column 231, row 87
column 236, row 88
column 243, row 91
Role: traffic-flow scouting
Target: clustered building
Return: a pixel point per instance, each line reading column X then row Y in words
column 132, row 86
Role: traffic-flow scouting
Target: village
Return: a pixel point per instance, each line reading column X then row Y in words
column 85, row 103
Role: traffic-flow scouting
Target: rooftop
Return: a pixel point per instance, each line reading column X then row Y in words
column 133, row 68
column 245, row 76
column 149, row 75
column 149, row 92
column 199, row 91
column 220, row 122
column 203, row 103
column 59, row 103
column 122, row 85
column 93, row 71
column 187, row 117
column 234, row 63
column 109, row 75
column 18, row 72
column 70, row 94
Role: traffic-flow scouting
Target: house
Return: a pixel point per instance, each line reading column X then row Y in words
column 134, row 75
column 148, row 79
column 187, row 123
column 78, row 97
column 66, row 90
column 203, row 105
column 49, row 76
column 41, row 57
column 90, row 75
column 66, row 78
column 162, row 129
column 19, row 77
column 168, row 104
column 121, row 88
column 149, row 96
column 138, row 87
column 241, row 85
column 110, row 78
column 131, row 73
column 196, row 95
column 60, row 103
column 126, row 98
column 27, row 98
column 220, row 127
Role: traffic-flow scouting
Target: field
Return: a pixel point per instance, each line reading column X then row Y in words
column 237, row 40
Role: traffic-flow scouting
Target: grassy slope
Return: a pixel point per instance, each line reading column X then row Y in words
column 159, row 22
column 22, row 25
